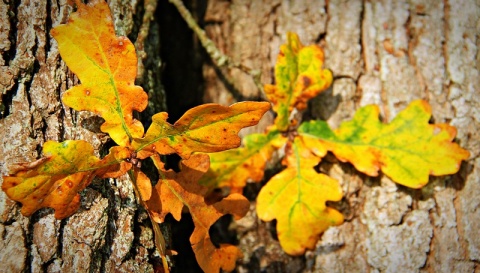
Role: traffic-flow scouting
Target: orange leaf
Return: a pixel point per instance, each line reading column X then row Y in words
column 106, row 66
column 205, row 128
column 55, row 180
column 143, row 184
column 176, row 190
column 408, row 149
column 232, row 168
column 296, row 197
column 299, row 77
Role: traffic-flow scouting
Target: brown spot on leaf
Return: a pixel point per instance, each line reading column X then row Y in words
column 306, row 81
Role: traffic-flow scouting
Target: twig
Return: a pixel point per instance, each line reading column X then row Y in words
column 160, row 243
column 150, row 6
column 220, row 60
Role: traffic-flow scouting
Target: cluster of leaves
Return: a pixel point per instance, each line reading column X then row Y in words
column 106, row 66
column 408, row 150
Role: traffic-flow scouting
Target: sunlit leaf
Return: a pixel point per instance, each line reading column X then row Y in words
column 232, row 168
column 296, row 197
column 55, row 180
column 143, row 183
column 176, row 190
column 205, row 128
column 299, row 77
column 408, row 149
column 106, row 66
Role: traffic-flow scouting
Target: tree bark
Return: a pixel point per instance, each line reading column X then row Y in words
column 109, row 233
column 382, row 52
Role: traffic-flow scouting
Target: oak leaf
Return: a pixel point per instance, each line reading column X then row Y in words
column 233, row 168
column 55, row 180
column 299, row 77
column 177, row 190
column 205, row 128
column 143, row 184
column 106, row 66
column 408, row 149
column 297, row 198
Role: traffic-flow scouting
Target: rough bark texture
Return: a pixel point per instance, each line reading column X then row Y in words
column 383, row 52
column 109, row 233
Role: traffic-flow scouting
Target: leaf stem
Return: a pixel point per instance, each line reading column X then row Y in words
column 160, row 243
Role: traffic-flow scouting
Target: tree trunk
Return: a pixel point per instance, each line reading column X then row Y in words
column 387, row 53
column 109, row 233
column 383, row 52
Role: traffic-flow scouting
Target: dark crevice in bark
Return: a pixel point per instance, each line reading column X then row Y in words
column 30, row 72
column 47, row 264
column 182, row 59
column 151, row 80
column 137, row 231
column 60, row 237
column 362, row 53
column 137, row 21
column 61, row 119
column 338, row 77
column 9, row 55
column 106, row 250
column 29, row 239
column 48, row 27
column 185, row 261
column 359, row 93
column 7, row 101
column 220, row 234
column 321, row 37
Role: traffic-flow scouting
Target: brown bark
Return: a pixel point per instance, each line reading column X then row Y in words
column 383, row 52
column 109, row 233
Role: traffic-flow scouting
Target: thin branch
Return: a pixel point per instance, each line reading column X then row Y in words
column 160, row 243
column 219, row 59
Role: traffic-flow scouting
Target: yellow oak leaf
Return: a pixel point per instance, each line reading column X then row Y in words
column 176, row 190
column 106, row 66
column 408, row 149
column 299, row 77
column 232, row 168
column 205, row 128
column 55, row 180
column 297, row 198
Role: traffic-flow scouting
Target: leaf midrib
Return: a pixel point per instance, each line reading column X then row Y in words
column 117, row 107
column 156, row 139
